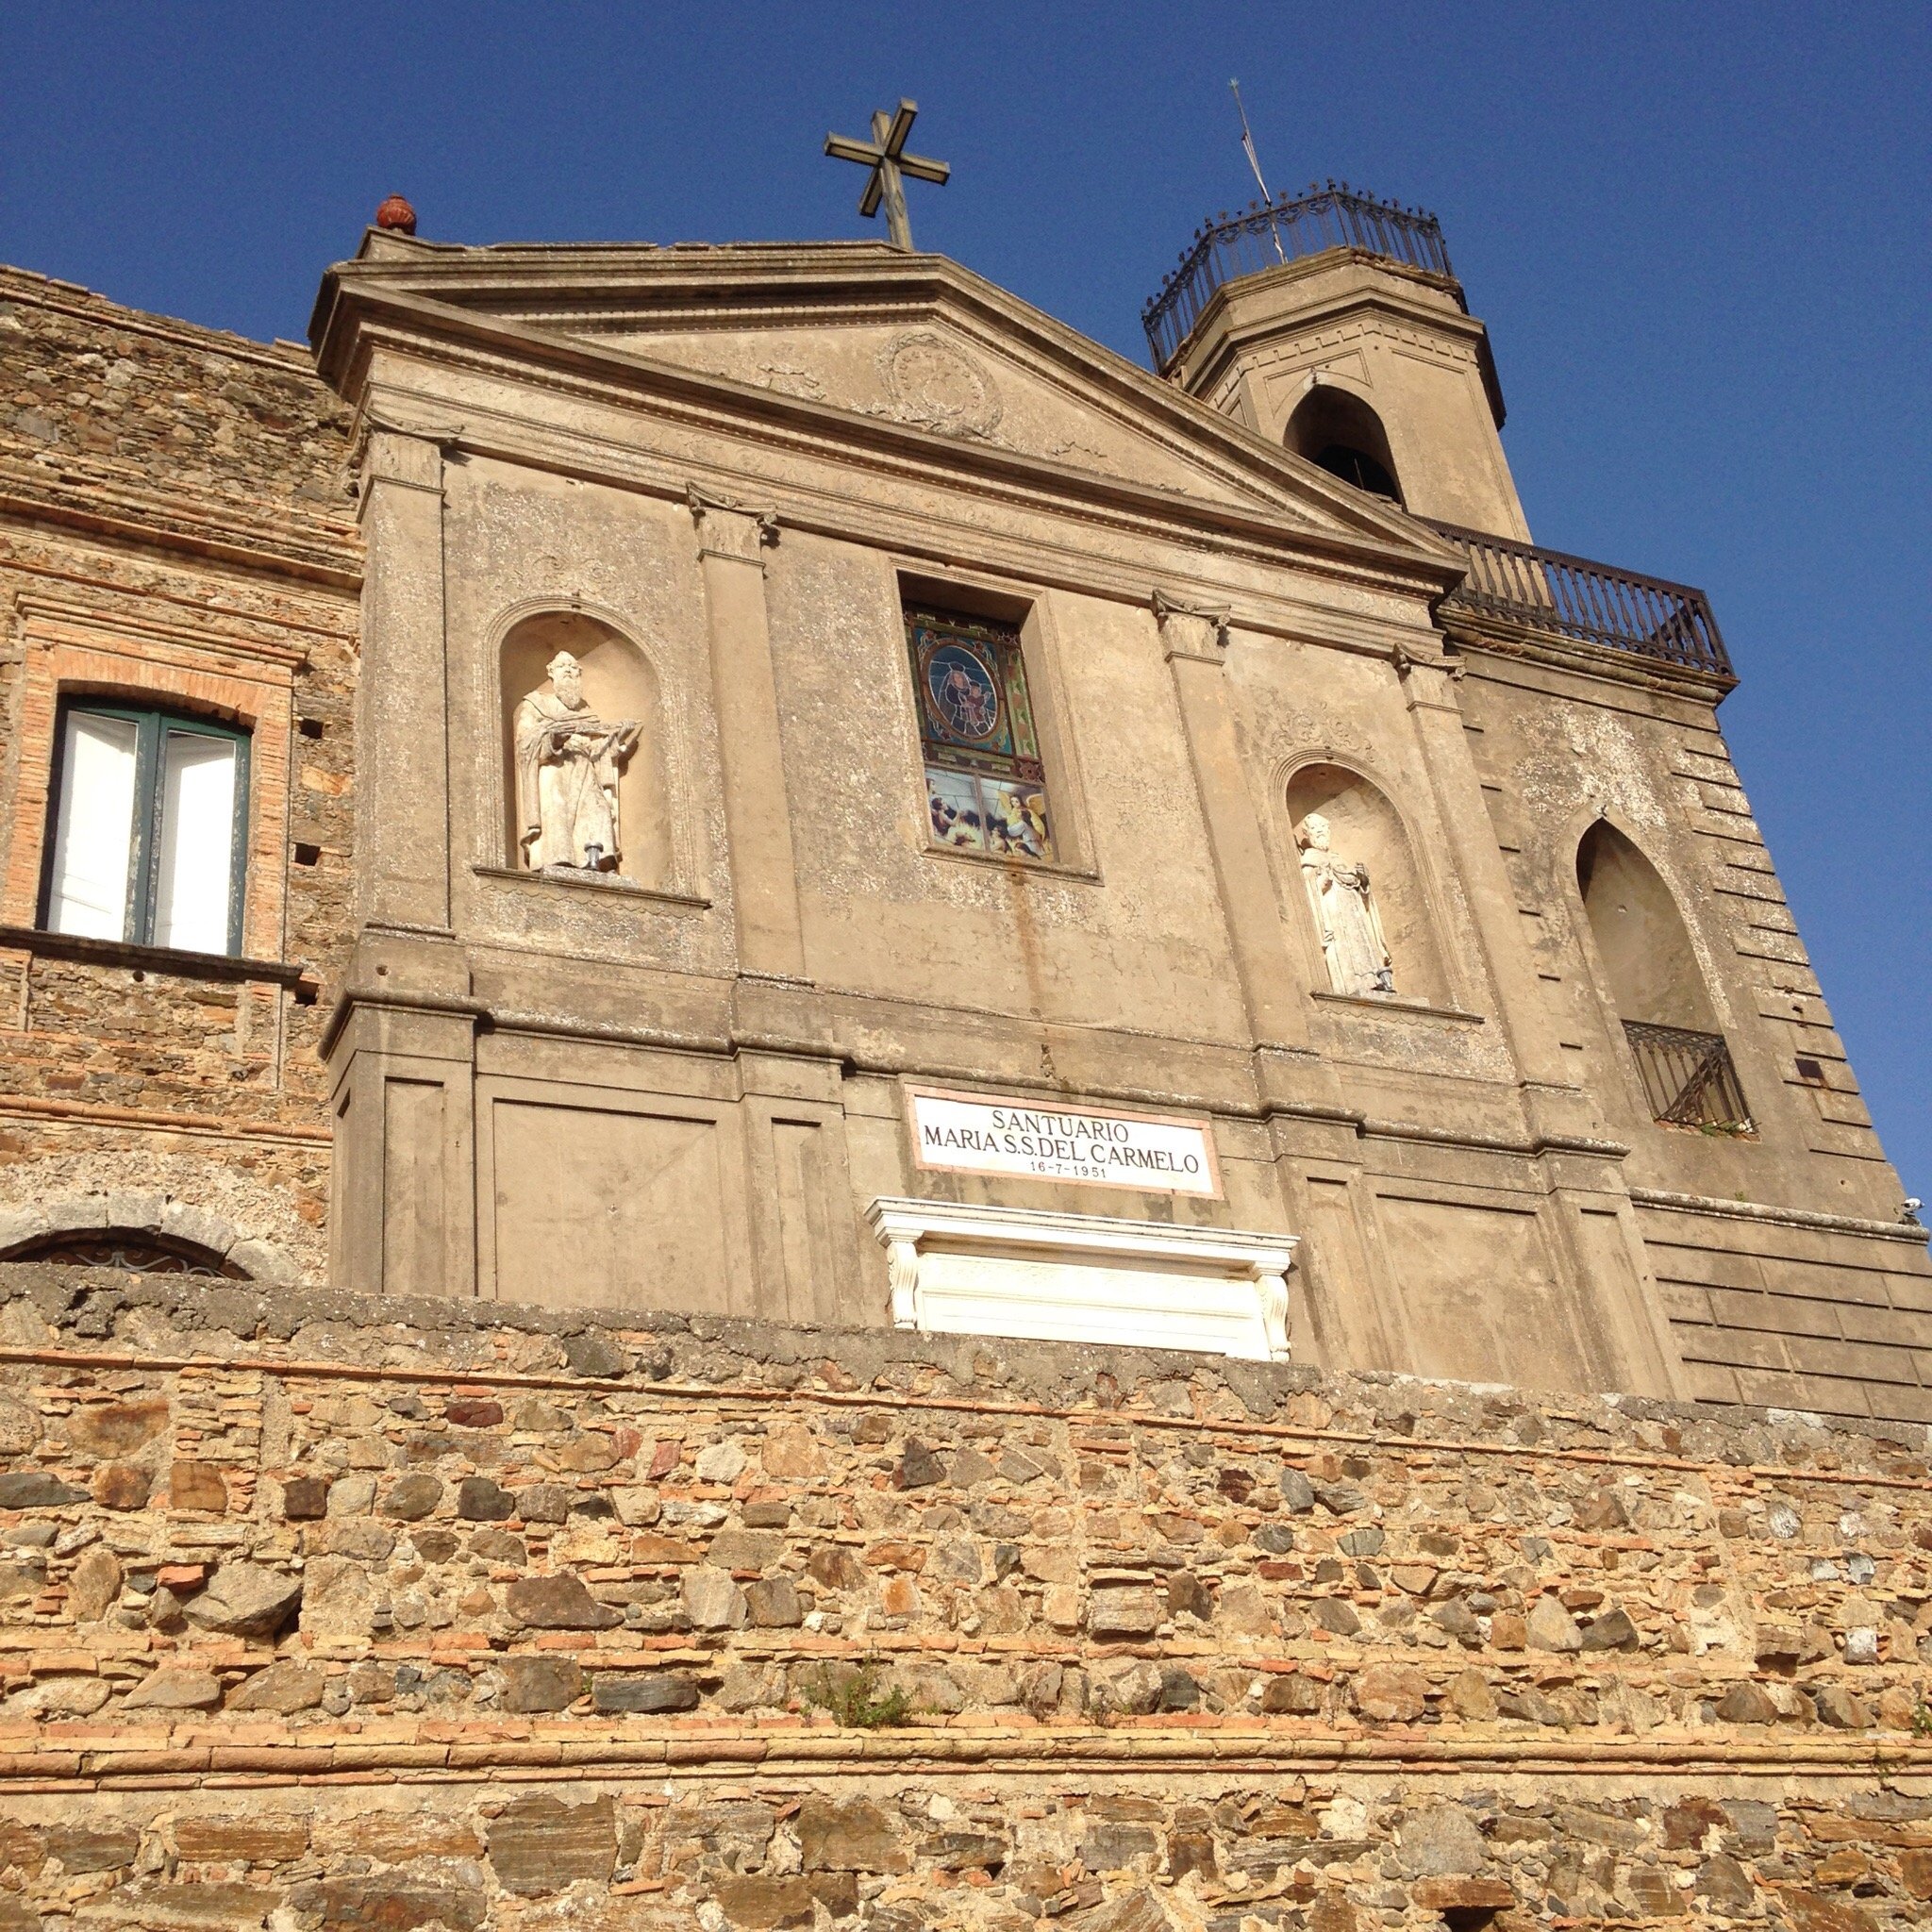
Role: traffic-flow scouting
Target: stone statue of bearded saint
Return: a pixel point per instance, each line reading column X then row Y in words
column 1346, row 915
column 568, row 765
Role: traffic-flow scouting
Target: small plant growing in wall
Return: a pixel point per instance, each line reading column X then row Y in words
column 1921, row 1720
column 854, row 1698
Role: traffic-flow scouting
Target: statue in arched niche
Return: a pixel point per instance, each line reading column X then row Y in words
column 1346, row 915
column 568, row 765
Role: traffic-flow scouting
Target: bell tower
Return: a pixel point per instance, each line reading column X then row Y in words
column 1332, row 324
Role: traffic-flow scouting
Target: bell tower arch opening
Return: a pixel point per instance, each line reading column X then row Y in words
column 1641, row 936
column 1339, row 432
column 1657, row 985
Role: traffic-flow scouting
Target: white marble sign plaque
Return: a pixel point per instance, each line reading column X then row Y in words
column 973, row 1133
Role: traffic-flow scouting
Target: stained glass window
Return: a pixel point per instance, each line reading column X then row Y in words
column 985, row 785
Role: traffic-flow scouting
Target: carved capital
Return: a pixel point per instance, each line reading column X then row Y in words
column 410, row 458
column 727, row 527
column 1188, row 632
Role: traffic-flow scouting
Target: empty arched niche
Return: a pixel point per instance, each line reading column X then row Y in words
column 1338, row 432
column 1640, row 936
column 1365, row 830
column 619, row 685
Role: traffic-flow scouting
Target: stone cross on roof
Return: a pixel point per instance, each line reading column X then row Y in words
column 885, row 155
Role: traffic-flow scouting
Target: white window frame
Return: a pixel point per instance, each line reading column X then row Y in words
column 152, row 727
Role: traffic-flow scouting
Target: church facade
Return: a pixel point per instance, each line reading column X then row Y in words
column 778, row 781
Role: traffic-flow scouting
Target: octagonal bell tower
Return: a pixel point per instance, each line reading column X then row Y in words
column 1332, row 324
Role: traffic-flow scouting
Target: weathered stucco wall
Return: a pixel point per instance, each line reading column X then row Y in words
column 321, row 1613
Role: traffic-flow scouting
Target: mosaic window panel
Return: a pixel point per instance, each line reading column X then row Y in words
column 984, row 785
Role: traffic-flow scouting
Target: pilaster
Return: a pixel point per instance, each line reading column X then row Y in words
column 402, row 813
column 1195, row 645
column 732, row 540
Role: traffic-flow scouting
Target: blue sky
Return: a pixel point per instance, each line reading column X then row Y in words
column 1698, row 235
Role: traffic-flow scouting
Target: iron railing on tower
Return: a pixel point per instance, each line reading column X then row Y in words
column 1267, row 234
column 1593, row 603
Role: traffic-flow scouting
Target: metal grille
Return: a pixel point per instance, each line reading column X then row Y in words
column 137, row 1251
column 1687, row 1078
column 1594, row 603
column 1266, row 234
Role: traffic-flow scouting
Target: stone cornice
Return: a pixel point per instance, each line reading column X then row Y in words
column 356, row 307
column 188, row 1756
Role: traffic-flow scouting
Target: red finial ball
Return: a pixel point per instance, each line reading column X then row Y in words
column 396, row 214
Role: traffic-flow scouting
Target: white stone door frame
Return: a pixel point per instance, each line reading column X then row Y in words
column 970, row 1269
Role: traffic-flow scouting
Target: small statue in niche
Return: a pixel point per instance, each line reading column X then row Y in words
column 1346, row 915
column 568, row 765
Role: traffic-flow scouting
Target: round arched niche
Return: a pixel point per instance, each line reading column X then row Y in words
column 619, row 682
column 1641, row 936
column 1365, row 829
column 1339, row 432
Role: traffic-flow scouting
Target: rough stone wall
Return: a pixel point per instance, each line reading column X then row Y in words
column 319, row 1613
column 173, row 517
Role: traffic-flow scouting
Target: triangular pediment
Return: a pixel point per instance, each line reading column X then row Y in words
column 971, row 385
column 872, row 337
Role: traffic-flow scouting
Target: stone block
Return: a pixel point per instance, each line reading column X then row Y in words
column 1440, row 1841
column 245, row 1599
column 175, row 1690
column 285, row 1687
column 647, row 1693
column 1291, row 1694
column 745, row 1549
column 758, row 1904
column 262, row 1838
column 412, row 1497
column 395, row 1902
column 480, row 1500
column 33, row 1488
column 1508, row 1631
column 1391, row 1693
column 712, row 1601
column 919, row 1466
column 853, row 1835
column 774, row 1604
column 93, row 1848
column 557, row 1602
column 123, row 1486
column 305, row 1497
column 544, row 1503
column 721, row 1462
column 1613, row 1630
column 533, row 1684
column 116, row 1428
column 1746, row 1702
column 1446, row 1895
column 541, row 1844
column 265, row 1262
column 1115, row 1615
column 1470, row 1696
column 94, row 1585
column 1841, row 1709
column 594, row 1357
column 197, row 1486
column 338, row 1598
column 1336, row 1615
column 1550, row 1626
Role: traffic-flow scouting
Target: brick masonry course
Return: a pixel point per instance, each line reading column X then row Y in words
column 175, row 527
column 316, row 1611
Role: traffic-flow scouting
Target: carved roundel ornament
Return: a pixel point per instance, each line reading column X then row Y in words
column 934, row 384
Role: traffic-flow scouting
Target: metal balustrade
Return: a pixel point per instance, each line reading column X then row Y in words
column 1689, row 1078
column 1594, row 603
column 1267, row 234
